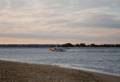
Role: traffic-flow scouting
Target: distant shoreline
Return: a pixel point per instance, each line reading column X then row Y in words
column 54, row 45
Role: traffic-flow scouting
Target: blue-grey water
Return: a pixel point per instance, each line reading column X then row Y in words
column 104, row 60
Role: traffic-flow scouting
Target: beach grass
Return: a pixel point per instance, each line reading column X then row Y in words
column 22, row 72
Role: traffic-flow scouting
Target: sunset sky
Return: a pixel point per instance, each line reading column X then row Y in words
column 59, row 21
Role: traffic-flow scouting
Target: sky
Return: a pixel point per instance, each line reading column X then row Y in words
column 59, row 21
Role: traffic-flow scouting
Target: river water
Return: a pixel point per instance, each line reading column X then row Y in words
column 104, row 60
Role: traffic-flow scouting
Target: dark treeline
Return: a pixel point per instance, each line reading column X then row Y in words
column 90, row 45
column 58, row 45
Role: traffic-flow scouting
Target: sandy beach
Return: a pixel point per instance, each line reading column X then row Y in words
column 22, row 72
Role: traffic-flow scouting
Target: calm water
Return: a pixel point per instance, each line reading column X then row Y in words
column 104, row 60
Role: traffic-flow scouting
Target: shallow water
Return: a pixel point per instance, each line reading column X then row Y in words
column 104, row 60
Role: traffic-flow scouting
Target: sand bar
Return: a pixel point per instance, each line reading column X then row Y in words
column 22, row 72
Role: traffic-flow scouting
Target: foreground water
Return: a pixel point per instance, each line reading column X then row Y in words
column 104, row 60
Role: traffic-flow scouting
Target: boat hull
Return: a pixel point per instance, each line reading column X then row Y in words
column 56, row 49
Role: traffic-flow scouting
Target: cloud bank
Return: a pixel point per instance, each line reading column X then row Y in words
column 70, row 20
